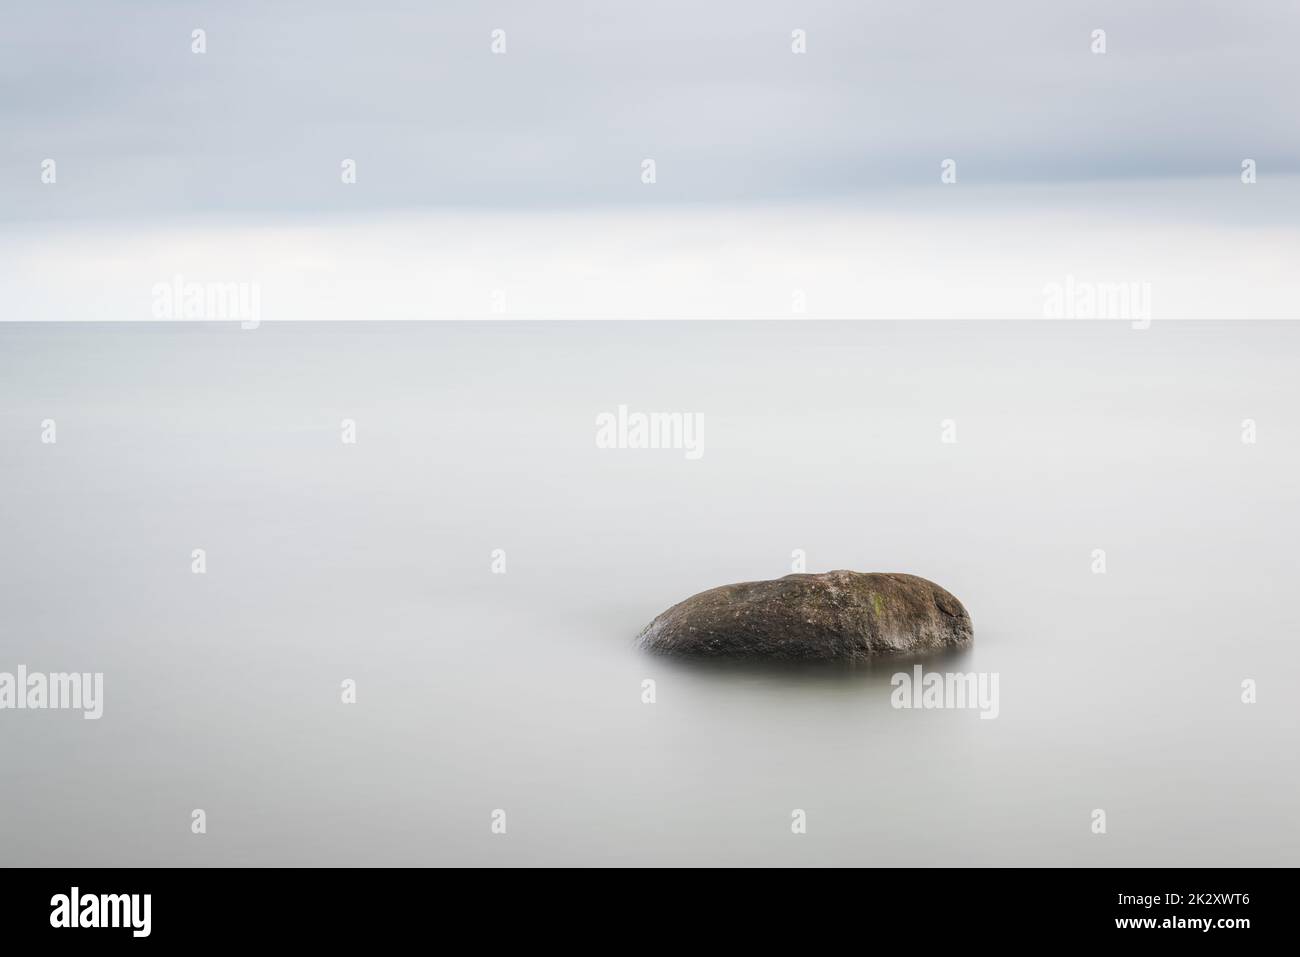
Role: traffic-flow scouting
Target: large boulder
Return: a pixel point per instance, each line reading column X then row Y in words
column 853, row 616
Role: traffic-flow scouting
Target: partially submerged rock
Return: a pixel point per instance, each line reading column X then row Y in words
column 848, row 615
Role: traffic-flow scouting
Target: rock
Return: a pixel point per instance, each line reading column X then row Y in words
column 846, row 615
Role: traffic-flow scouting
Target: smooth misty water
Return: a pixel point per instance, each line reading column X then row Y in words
column 523, row 691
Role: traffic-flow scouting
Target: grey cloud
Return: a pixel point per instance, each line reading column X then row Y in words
column 140, row 126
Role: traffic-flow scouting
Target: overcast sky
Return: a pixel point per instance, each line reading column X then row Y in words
column 142, row 127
